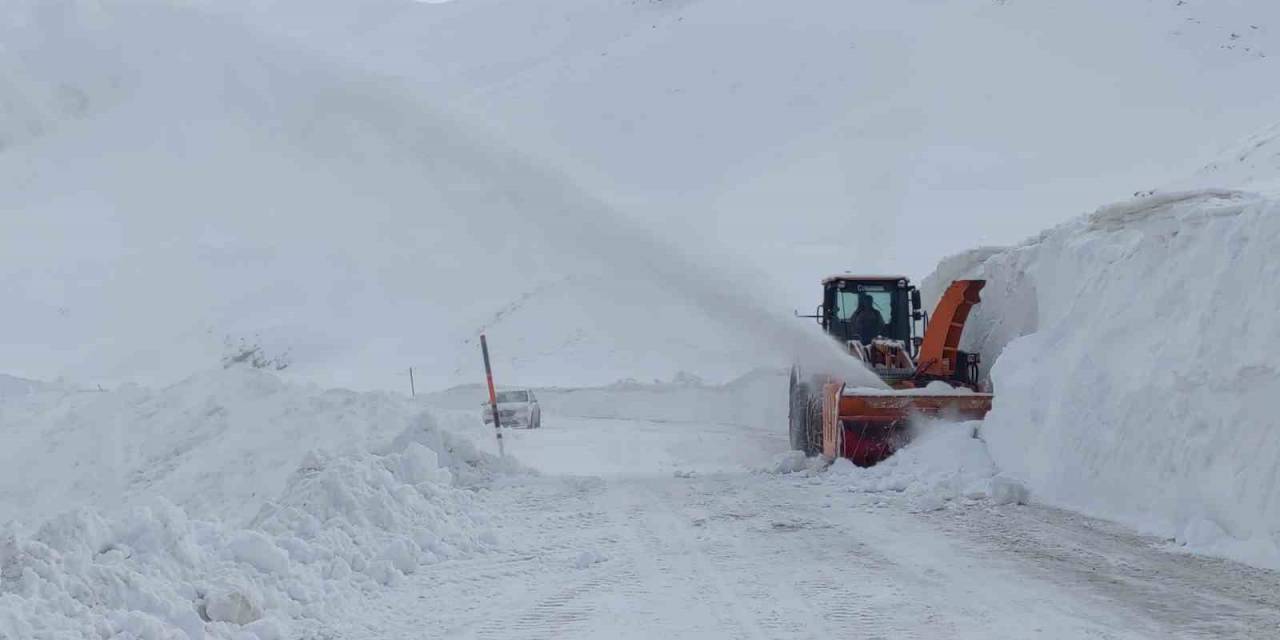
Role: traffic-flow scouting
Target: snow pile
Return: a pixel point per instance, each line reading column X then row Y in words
column 1136, row 370
column 943, row 462
column 342, row 520
column 15, row 387
column 217, row 443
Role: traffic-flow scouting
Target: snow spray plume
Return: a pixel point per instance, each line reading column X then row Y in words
column 291, row 126
column 506, row 189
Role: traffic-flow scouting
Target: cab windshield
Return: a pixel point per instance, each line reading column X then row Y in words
column 873, row 296
column 864, row 311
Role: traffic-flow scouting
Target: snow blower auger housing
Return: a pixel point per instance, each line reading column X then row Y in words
column 876, row 319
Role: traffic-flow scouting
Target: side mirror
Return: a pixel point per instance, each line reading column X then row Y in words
column 915, row 300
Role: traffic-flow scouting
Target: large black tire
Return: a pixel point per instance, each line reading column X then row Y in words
column 805, row 417
column 536, row 423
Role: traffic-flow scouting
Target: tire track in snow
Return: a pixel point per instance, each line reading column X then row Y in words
column 554, row 601
column 663, row 539
column 784, row 568
column 1186, row 596
column 746, row 556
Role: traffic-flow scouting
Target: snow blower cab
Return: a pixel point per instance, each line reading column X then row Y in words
column 877, row 319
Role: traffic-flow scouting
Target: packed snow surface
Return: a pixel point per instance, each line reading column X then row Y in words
column 706, row 530
column 1135, row 366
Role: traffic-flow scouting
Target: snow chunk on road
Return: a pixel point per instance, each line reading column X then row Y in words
column 1006, row 490
column 235, row 605
column 944, row 461
column 789, row 462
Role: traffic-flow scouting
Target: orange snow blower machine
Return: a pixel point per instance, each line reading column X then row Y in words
column 876, row 319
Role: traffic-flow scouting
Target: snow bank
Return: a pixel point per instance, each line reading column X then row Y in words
column 343, row 519
column 1136, row 366
column 15, row 387
column 217, row 443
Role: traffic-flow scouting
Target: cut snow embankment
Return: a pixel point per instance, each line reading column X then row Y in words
column 332, row 514
column 1135, row 366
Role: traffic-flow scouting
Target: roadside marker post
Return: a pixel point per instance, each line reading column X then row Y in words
column 493, row 395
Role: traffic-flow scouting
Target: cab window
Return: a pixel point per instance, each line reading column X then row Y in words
column 881, row 299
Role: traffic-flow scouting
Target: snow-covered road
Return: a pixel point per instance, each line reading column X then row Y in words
column 717, row 553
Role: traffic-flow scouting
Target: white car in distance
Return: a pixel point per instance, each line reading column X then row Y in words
column 517, row 408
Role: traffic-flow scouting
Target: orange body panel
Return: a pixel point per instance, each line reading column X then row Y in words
column 942, row 337
column 897, row 407
column 831, row 434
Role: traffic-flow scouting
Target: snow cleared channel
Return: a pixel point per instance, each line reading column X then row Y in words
column 375, row 516
column 677, row 541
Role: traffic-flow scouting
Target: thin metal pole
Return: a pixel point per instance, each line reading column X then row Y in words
column 493, row 395
column 413, row 391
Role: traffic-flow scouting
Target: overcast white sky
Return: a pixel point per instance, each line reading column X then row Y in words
column 841, row 134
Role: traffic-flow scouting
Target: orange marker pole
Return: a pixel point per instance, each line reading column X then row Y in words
column 493, row 395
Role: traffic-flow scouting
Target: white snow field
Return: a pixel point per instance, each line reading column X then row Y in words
column 354, row 188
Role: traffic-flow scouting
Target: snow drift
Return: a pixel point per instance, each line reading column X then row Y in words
column 241, row 507
column 217, row 443
column 758, row 399
column 1134, row 366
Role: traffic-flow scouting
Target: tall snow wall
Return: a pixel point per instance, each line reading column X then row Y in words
column 1136, row 365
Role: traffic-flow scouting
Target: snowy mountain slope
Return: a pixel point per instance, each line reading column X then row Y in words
column 1133, row 366
column 331, row 216
column 281, row 173
column 1253, row 165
